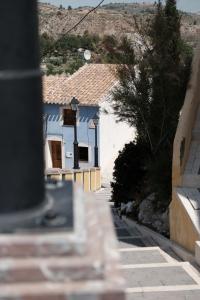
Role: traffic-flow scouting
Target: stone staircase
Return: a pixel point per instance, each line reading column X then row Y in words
column 104, row 194
column 150, row 272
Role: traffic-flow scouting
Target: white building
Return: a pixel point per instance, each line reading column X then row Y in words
column 92, row 85
column 113, row 136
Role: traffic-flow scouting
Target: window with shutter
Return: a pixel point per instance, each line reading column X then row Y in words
column 69, row 117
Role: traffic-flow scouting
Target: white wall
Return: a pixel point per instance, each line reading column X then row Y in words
column 113, row 137
column 48, row 156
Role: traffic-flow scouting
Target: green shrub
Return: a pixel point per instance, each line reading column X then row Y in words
column 74, row 66
column 129, row 173
column 47, row 45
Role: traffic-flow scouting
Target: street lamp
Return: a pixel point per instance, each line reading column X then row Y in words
column 74, row 106
column 20, row 79
column 96, row 151
column 26, row 203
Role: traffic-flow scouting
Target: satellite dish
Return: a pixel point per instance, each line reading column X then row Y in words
column 87, row 54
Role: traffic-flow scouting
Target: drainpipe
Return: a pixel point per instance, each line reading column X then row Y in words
column 96, row 150
column 21, row 143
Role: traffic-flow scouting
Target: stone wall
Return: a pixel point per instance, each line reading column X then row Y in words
column 82, row 264
column 183, row 230
column 185, row 208
column 186, row 123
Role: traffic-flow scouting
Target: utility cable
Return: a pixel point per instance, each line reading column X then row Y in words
column 83, row 18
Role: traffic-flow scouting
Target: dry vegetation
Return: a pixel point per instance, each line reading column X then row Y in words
column 112, row 19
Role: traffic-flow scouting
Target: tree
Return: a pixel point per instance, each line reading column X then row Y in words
column 169, row 73
column 129, row 173
column 47, row 44
column 151, row 93
column 165, row 72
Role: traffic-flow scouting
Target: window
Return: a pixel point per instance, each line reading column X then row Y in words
column 83, row 154
column 69, row 117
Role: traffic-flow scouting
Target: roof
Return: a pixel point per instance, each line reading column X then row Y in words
column 90, row 84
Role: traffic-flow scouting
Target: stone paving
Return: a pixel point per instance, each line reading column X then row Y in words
column 150, row 273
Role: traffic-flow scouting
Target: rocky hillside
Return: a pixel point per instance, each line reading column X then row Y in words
column 110, row 19
column 55, row 21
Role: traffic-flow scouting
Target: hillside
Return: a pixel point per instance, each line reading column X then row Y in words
column 112, row 19
column 55, row 21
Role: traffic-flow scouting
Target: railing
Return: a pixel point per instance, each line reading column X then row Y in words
column 90, row 179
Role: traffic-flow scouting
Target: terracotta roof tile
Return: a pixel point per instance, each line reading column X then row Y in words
column 89, row 85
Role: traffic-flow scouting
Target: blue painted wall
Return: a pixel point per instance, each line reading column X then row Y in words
column 85, row 134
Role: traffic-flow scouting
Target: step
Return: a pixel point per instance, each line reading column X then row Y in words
column 196, row 134
column 130, row 242
column 102, row 198
column 147, row 255
column 118, row 223
column 47, row 270
column 183, row 294
column 85, row 290
column 191, row 180
column 127, row 232
column 191, row 194
column 158, row 275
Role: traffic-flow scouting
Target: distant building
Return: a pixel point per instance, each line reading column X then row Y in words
column 91, row 85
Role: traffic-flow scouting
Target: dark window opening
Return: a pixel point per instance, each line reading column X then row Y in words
column 83, row 154
column 69, row 117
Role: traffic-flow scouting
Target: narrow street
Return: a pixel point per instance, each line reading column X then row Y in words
column 150, row 272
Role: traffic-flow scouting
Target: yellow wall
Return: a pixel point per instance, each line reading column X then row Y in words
column 78, row 177
column 56, row 176
column 89, row 178
column 182, row 230
column 98, row 178
column 86, row 180
column 69, row 176
column 93, row 186
column 186, row 121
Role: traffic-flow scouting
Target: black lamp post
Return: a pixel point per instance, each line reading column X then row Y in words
column 25, row 202
column 74, row 106
column 21, row 146
column 96, row 151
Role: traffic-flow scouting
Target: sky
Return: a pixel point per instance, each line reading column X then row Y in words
column 185, row 5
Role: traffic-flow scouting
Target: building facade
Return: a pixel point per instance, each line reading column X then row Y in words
column 113, row 136
column 88, row 85
column 59, row 136
column 92, row 85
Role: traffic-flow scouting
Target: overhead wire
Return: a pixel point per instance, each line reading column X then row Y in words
column 83, row 18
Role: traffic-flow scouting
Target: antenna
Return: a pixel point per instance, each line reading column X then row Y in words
column 87, row 54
